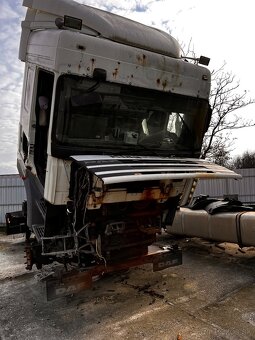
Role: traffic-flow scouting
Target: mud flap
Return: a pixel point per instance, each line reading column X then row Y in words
column 169, row 259
column 68, row 283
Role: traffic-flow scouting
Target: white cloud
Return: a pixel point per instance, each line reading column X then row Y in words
column 7, row 12
column 218, row 29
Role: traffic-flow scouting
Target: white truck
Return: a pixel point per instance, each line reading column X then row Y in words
column 111, row 126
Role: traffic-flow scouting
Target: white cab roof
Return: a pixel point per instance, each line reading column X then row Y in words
column 42, row 14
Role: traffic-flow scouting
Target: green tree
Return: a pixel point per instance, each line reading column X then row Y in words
column 245, row 161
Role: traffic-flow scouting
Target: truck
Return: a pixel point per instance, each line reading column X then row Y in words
column 111, row 127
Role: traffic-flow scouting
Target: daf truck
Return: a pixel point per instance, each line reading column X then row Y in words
column 111, row 127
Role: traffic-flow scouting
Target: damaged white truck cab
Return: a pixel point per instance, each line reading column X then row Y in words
column 112, row 122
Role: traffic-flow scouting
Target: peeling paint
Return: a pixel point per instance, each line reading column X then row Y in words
column 130, row 78
column 142, row 59
column 115, row 73
column 164, row 84
column 92, row 64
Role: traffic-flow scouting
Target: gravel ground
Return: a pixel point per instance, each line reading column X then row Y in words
column 211, row 296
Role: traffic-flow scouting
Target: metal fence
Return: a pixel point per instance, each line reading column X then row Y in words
column 12, row 191
column 12, row 194
column 244, row 188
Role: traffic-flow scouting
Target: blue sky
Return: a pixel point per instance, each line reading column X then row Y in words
column 221, row 30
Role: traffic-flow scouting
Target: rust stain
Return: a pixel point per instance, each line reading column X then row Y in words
column 154, row 212
column 147, row 195
column 142, row 59
column 165, row 191
column 92, row 63
column 164, row 84
column 115, row 73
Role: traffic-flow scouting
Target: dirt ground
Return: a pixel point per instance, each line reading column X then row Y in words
column 210, row 296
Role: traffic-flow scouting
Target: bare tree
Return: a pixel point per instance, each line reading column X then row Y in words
column 225, row 100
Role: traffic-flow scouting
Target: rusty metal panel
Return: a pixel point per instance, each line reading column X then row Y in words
column 65, row 283
column 68, row 284
column 12, row 194
column 218, row 188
